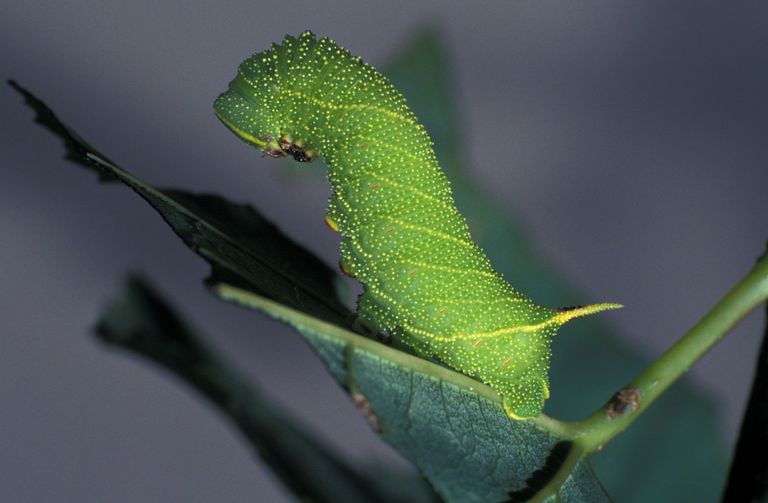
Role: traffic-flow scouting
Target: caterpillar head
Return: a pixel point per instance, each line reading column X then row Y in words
column 259, row 110
column 232, row 110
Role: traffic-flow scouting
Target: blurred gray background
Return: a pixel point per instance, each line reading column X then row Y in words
column 630, row 137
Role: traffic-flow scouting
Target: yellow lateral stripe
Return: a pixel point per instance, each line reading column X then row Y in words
column 413, row 190
column 566, row 315
column 499, row 300
column 525, row 329
column 403, row 224
column 560, row 318
column 445, row 268
column 478, row 335
column 356, row 244
column 432, row 232
column 333, row 106
column 239, row 132
column 317, row 101
column 374, row 288
column 405, row 152
column 368, row 139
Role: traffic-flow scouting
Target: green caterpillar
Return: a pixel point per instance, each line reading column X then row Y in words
column 425, row 280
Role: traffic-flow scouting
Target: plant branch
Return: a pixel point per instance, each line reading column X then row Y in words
column 632, row 400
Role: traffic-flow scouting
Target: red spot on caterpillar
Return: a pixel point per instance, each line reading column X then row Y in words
column 411, row 272
column 375, row 186
column 441, row 310
column 390, row 230
column 476, row 343
column 507, row 361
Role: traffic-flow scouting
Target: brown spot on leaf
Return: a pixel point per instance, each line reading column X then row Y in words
column 364, row 406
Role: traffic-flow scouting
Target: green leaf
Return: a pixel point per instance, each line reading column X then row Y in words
column 76, row 147
column 240, row 244
column 674, row 449
column 142, row 322
column 450, row 426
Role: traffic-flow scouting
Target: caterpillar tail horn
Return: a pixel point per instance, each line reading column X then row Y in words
column 567, row 314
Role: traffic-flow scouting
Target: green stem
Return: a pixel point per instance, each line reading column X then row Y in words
column 629, row 402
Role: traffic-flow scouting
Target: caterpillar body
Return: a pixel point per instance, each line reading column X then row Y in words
column 424, row 279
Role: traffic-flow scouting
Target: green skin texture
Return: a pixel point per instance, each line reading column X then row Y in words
column 425, row 280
